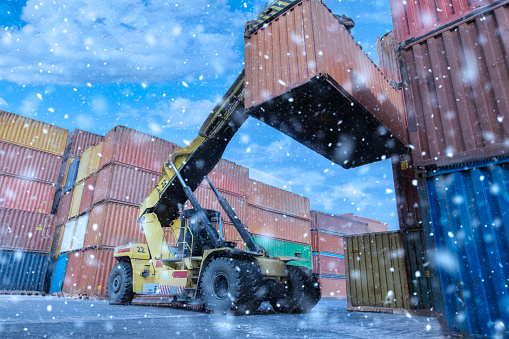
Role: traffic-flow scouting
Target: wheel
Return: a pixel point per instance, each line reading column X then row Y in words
column 302, row 292
column 120, row 284
column 231, row 285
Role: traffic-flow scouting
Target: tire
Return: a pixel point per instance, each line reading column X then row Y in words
column 120, row 284
column 303, row 292
column 231, row 285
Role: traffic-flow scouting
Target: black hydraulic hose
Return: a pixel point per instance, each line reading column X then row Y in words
column 199, row 210
column 236, row 221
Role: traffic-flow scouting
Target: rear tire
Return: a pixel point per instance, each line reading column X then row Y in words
column 120, row 284
column 231, row 285
column 302, row 292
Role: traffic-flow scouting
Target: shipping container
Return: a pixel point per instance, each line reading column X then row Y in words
column 131, row 147
column 333, row 286
column 277, row 247
column 113, row 224
column 28, row 231
column 95, row 158
column 414, row 19
column 64, row 207
column 229, row 177
column 230, row 233
column 72, row 174
column 79, row 141
column 65, row 245
column 26, row 195
column 376, row 272
column 388, row 61
column 74, row 265
column 468, row 245
column 78, row 238
column 276, row 199
column 278, row 225
column 329, row 263
column 123, row 184
column 88, row 191
column 83, row 167
column 57, row 280
column 28, row 163
column 305, row 61
column 456, row 92
column 336, row 224
column 22, row 271
column 326, row 241
column 64, row 170
column 31, row 133
column 373, row 226
column 76, row 199
column 407, row 197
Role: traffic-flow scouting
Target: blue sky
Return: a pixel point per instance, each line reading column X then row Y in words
column 159, row 67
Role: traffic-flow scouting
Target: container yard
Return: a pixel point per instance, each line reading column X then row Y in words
column 76, row 206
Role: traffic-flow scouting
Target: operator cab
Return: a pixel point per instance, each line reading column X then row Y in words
column 197, row 239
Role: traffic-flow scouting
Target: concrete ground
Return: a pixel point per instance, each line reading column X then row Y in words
column 53, row 317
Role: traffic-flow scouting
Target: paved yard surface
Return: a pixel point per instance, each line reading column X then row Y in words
column 52, row 317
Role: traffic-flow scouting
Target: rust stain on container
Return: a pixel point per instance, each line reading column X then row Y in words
column 26, row 230
column 26, row 195
column 79, row 141
column 124, row 184
column 456, row 92
column 326, row 242
column 84, row 161
column 31, row 133
column 76, row 199
column 64, row 207
column 273, row 198
column 333, row 287
column 88, row 191
column 337, row 224
column 131, row 147
column 113, row 224
column 308, row 42
column 278, row 225
column 28, row 163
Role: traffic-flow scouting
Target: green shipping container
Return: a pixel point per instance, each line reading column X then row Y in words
column 284, row 248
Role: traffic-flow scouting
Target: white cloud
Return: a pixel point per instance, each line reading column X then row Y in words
column 97, row 41
column 3, row 103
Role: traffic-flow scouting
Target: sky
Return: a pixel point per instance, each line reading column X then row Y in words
column 160, row 67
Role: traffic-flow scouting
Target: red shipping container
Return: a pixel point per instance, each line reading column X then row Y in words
column 26, row 230
column 123, row 184
column 333, row 287
column 230, row 233
column 113, row 224
column 88, row 191
column 273, row 198
column 74, row 265
column 64, row 207
column 96, row 265
column 328, row 265
column 79, row 141
column 134, row 148
column 28, row 163
column 229, row 177
column 337, row 224
column 324, row 242
column 278, row 225
column 413, row 19
column 26, row 195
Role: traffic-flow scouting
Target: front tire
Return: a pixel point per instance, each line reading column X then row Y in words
column 120, row 284
column 231, row 285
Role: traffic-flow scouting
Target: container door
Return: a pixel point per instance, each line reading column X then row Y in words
column 59, row 275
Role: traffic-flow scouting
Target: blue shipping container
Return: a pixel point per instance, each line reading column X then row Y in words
column 468, row 234
column 59, row 274
column 72, row 173
column 22, row 271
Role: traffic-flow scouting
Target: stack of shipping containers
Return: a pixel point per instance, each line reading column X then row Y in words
column 455, row 74
column 30, row 159
column 327, row 234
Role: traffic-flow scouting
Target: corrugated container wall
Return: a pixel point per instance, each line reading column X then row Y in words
column 412, row 19
column 329, row 264
column 88, row 192
column 275, row 63
column 467, row 228
column 456, row 91
column 386, row 47
column 63, row 208
column 337, row 224
column 28, row 163
column 83, row 167
column 407, row 196
column 26, row 230
column 22, row 271
column 76, row 199
column 277, row 247
column 31, row 133
column 26, row 195
column 57, row 279
column 72, row 174
column 333, row 287
column 326, row 242
column 229, row 177
column 131, row 147
column 79, row 141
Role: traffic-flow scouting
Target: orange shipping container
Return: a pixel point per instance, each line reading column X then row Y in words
column 113, row 224
column 337, row 224
column 88, row 191
column 131, row 147
column 333, row 287
column 28, row 163
column 329, row 264
column 73, row 270
column 325, row 242
column 273, row 198
column 26, row 230
column 278, row 225
column 229, row 177
column 31, row 133
column 26, row 195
